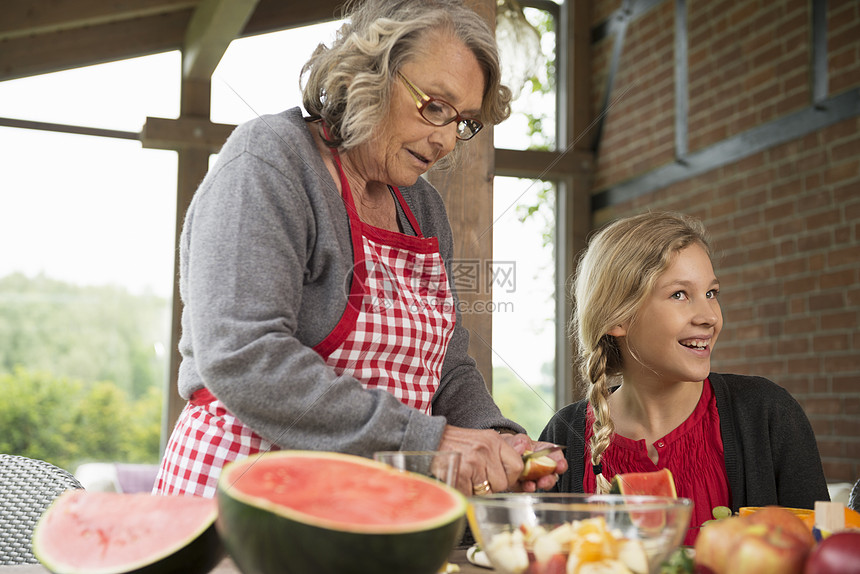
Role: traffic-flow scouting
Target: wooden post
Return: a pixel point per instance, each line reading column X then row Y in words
column 574, row 205
column 193, row 163
column 468, row 194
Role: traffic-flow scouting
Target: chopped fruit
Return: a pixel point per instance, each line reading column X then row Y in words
column 578, row 547
column 535, row 468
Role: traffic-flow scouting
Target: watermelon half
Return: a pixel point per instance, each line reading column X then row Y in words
column 328, row 513
column 112, row 533
column 657, row 483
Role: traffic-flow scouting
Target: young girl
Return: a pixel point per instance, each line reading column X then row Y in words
column 646, row 322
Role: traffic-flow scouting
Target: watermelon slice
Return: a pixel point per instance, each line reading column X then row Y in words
column 111, row 533
column 328, row 513
column 657, row 483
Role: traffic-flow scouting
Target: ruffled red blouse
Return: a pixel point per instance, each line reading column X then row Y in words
column 693, row 452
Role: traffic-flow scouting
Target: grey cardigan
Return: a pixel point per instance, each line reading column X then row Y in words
column 769, row 448
column 265, row 265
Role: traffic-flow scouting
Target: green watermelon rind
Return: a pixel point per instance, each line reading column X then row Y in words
column 266, row 538
column 199, row 553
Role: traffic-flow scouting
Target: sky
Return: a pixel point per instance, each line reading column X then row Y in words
column 94, row 211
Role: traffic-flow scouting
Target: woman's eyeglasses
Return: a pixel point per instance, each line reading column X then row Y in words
column 441, row 113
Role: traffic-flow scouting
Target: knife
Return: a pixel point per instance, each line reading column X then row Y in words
column 544, row 451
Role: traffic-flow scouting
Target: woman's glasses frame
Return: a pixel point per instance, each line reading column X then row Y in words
column 434, row 110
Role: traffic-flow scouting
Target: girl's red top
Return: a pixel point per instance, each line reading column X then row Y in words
column 693, row 452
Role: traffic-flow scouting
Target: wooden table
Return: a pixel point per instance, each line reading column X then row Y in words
column 458, row 557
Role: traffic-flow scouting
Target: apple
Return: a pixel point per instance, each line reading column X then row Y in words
column 787, row 520
column 536, row 467
column 715, row 541
column 839, row 553
column 766, row 549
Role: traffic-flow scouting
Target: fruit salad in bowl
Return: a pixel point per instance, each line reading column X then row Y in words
column 549, row 533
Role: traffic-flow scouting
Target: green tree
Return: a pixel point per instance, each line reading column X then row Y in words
column 80, row 372
column 529, row 405
column 67, row 422
column 89, row 333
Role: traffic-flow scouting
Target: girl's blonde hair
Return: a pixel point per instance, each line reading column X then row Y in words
column 614, row 276
column 349, row 84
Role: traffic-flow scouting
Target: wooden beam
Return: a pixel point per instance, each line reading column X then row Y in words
column 543, row 164
column 574, row 220
column 272, row 15
column 467, row 191
column 42, row 36
column 184, row 133
column 67, row 49
column 214, row 25
column 192, row 165
column 30, row 17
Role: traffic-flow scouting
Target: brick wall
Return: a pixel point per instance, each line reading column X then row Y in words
column 785, row 222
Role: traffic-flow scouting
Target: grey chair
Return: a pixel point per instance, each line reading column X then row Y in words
column 27, row 488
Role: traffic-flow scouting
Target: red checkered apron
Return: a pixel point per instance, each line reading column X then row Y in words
column 393, row 336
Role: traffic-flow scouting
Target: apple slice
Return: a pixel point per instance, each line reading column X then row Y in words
column 536, row 467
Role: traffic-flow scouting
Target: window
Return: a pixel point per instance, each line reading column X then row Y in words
column 524, row 318
column 86, row 277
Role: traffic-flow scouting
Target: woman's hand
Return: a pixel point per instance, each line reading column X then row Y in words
column 522, row 443
column 484, row 456
column 487, row 456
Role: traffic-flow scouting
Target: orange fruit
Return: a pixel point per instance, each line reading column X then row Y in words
column 852, row 518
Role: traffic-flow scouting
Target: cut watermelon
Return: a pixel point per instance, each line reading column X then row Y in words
column 657, row 483
column 298, row 511
column 111, row 533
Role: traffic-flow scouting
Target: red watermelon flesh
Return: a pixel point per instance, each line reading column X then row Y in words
column 113, row 533
column 343, row 496
column 657, row 483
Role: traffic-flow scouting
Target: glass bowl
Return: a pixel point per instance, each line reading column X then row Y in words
column 547, row 533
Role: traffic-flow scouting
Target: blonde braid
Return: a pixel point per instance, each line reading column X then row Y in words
column 598, row 394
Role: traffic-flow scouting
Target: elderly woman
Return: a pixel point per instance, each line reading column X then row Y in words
column 315, row 264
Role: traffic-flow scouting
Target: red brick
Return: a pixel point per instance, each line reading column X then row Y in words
column 792, row 347
column 850, row 406
column 845, row 151
column 838, row 320
column 852, row 449
column 808, row 365
column 847, row 427
column 800, row 285
column 814, row 242
column 821, row 426
column 817, row 262
column 756, row 273
column 838, row 279
column 848, row 192
column 800, row 325
column 831, row 447
column 845, row 256
column 821, row 406
column 825, row 301
column 780, row 211
column 837, row 173
column 846, row 384
column 824, row 343
column 839, row 471
column 843, row 363
column 789, row 268
column 827, row 218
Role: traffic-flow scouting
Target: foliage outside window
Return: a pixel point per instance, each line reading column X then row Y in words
column 524, row 229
